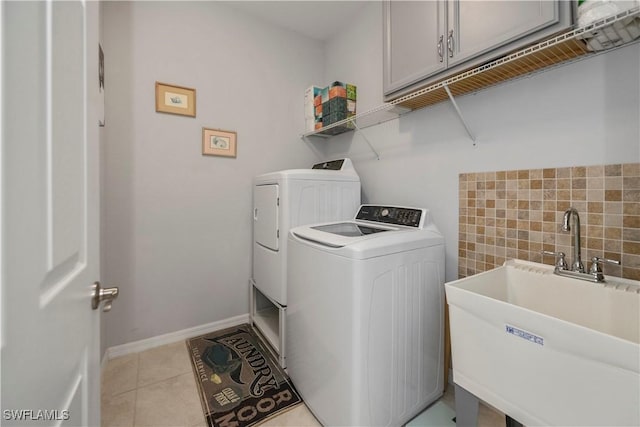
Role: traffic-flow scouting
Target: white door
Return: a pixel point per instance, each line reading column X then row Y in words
column 265, row 216
column 50, row 373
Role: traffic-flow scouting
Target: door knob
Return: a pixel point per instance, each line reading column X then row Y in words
column 103, row 294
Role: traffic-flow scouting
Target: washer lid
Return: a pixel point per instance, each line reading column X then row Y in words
column 340, row 234
column 379, row 242
column 377, row 230
column 349, row 229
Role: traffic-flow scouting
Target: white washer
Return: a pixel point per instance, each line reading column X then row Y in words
column 330, row 191
column 365, row 316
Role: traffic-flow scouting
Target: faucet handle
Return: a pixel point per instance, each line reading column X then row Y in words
column 561, row 263
column 595, row 269
column 596, row 261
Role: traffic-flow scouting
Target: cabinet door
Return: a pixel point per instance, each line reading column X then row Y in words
column 476, row 27
column 265, row 216
column 412, row 30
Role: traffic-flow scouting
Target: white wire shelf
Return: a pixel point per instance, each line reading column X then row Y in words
column 377, row 115
column 580, row 43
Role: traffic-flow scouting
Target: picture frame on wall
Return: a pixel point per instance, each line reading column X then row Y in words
column 174, row 99
column 217, row 142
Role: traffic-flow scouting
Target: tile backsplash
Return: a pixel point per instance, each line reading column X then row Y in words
column 518, row 213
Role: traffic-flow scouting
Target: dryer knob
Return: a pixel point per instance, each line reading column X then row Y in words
column 384, row 212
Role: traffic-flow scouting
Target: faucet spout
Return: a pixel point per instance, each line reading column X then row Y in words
column 565, row 220
column 577, row 261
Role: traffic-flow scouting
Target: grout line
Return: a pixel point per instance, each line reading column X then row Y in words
column 137, row 369
column 112, row 395
column 120, row 393
column 135, row 399
column 135, row 405
column 188, row 370
column 164, row 379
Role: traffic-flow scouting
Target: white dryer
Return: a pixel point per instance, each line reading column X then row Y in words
column 365, row 316
column 330, row 191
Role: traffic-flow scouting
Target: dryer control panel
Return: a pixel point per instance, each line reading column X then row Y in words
column 334, row 165
column 395, row 215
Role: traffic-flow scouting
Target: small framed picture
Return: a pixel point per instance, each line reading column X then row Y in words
column 216, row 142
column 175, row 99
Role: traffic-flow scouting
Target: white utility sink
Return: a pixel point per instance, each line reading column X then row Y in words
column 545, row 349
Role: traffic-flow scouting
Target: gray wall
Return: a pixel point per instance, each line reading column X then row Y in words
column 585, row 113
column 176, row 225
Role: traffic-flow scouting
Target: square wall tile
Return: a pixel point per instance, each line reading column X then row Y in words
column 518, row 213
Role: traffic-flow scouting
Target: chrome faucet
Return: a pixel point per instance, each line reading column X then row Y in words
column 577, row 262
column 577, row 268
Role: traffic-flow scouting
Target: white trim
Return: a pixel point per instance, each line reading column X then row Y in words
column 160, row 340
column 3, row 321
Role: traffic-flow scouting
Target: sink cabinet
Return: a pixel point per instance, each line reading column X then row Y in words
column 425, row 41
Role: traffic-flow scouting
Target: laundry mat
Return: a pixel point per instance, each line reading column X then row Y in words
column 240, row 383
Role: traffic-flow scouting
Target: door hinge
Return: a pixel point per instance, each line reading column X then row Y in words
column 278, row 201
column 277, row 234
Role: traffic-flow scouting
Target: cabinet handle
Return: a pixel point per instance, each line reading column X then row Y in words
column 440, row 46
column 450, row 43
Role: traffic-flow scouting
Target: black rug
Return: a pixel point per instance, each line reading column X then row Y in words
column 239, row 381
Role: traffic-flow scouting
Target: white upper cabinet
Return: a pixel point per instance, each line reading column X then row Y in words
column 425, row 41
column 414, row 41
column 476, row 27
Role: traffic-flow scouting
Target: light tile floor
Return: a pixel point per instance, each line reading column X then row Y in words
column 157, row 388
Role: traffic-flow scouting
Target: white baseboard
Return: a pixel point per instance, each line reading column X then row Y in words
column 160, row 340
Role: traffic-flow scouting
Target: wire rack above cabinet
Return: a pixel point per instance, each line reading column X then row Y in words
column 598, row 37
